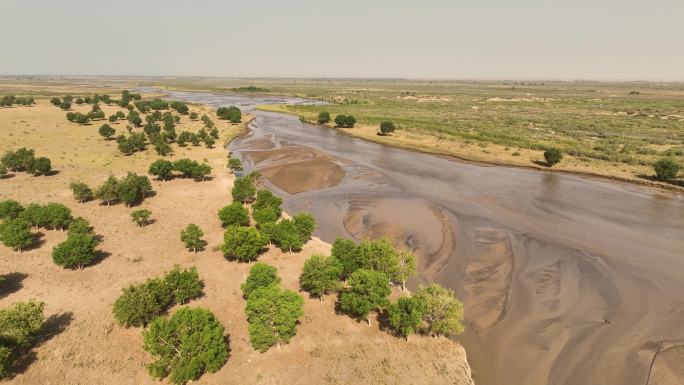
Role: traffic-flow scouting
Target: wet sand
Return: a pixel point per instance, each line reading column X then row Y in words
column 565, row 279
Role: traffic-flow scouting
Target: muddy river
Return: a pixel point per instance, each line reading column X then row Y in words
column 565, row 279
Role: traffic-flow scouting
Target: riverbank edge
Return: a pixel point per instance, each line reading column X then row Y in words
column 245, row 131
column 660, row 186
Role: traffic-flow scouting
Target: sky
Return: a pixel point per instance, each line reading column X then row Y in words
column 447, row 39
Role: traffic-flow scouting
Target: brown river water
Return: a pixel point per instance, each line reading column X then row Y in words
column 565, row 279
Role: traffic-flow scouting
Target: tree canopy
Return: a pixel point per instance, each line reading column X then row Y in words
column 442, row 312
column 192, row 238
column 76, row 252
column 260, row 275
column 272, row 314
column 320, row 275
column 368, row 290
column 243, row 243
column 234, row 215
column 197, row 333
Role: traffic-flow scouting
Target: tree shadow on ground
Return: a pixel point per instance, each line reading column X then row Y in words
column 12, row 283
column 38, row 241
column 99, row 257
column 54, row 325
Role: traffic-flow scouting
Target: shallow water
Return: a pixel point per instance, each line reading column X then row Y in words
column 565, row 279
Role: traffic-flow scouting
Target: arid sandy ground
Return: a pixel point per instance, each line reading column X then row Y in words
column 84, row 345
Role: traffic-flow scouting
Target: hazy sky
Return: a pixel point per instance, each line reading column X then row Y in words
column 462, row 39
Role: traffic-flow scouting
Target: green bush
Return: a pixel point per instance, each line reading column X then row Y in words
column 345, row 121
column 82, row 193
column 108, row 191
column 243, row 243
column 81, row 225
column 320, row 275
column 266, row 199
column 344, row 250
column 234, row 164
column 10, row 209
column 368, row 290
column 59, row 216
column 666, row 169
column 76, row 252
column 265, row 215
column 229, row 113
column 234, row 215
column 16, row 233
column 106, row 131
column 41, row 166
column 406, row 316
column 323, row 117
column 192, row 238
column 184, row 284
column 35, row 215
column 194, row 332
column 19, row 160
column 272, row 314
column 141, row 217
column 379, row 255
column 305, row 224
column 553, row 156
column 143, row 302
column 19, row 326
column 243, row 190
column 387, row 128
column 260, row 275
column 133, row 189
column 287, row 236
column 162, row 169
column 442, row 312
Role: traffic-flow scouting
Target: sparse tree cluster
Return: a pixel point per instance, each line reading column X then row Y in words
column 24, row 159
column 133, row 143
column 130, row 190
column 163, row 169
column 141, row 303
column 77, row 251
column 10, row 100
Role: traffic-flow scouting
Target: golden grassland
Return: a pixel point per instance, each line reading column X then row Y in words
column 83, row 343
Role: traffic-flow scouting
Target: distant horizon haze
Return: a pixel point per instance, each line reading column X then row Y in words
column 468, row 40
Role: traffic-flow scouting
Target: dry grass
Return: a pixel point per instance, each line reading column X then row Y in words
column 492, row 153
column 86, row 346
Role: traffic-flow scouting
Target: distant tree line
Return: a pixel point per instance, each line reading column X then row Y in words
column 10, row 100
